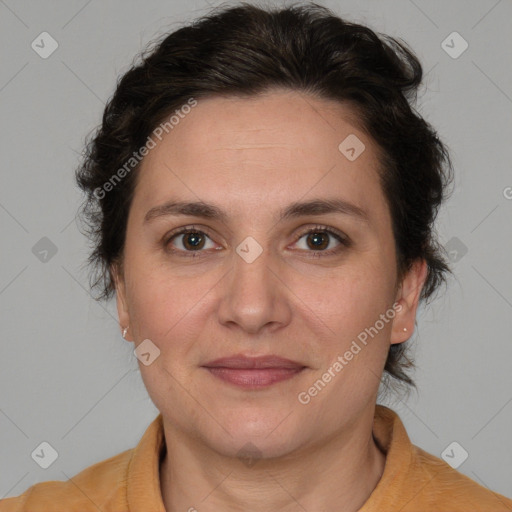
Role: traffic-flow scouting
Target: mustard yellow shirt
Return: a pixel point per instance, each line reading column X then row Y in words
column 413, row 480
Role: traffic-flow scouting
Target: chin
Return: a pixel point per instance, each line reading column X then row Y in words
column 249, row 449
column 262, row 438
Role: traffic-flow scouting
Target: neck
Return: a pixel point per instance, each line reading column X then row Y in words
column 336, row 474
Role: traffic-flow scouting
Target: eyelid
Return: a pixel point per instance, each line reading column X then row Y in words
column 327, row 229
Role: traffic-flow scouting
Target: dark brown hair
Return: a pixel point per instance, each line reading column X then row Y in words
column 245, row 50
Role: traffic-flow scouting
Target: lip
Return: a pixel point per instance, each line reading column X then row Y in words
column 254, row 372
column 240, row 361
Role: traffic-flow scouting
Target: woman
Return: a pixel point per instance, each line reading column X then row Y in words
column 262, row 196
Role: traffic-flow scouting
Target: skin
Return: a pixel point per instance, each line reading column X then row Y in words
column 253, row 157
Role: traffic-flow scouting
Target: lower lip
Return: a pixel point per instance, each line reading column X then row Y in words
column 254, row 378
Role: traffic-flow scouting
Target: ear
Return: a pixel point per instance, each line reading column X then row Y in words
column 407, row 300
column 122, row 306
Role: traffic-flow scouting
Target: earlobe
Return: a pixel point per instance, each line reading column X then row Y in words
column 407, row 298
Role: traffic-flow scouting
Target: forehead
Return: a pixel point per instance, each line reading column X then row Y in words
column 278, row 122
column 272, row 148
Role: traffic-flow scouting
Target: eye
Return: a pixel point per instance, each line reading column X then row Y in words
column 190, row 239
column 321, row 239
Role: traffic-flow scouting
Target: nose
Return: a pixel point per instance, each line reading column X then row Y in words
column 254, row 295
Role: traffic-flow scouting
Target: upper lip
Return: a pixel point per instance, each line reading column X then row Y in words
column 241, row 361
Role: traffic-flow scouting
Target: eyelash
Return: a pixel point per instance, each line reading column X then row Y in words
column 345, row 242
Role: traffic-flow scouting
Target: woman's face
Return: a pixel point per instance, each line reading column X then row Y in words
column 254, row 282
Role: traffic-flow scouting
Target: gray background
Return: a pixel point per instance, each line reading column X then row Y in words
column 66, row 375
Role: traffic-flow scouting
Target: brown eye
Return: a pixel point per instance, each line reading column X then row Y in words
column 193, row 241
column 188, row 240
column 319, row 241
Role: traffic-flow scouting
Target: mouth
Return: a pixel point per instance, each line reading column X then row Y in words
column 254, row 372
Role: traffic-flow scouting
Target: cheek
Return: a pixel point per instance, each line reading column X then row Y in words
column 349, row 300
column 167, row 307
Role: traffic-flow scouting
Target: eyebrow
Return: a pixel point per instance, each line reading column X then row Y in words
column 296, row 209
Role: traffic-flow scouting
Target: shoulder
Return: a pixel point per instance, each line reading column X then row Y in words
column 446, row 489
column 417, row 481
column 100, row 485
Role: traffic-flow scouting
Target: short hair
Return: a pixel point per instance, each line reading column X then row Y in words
column 243, row 51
